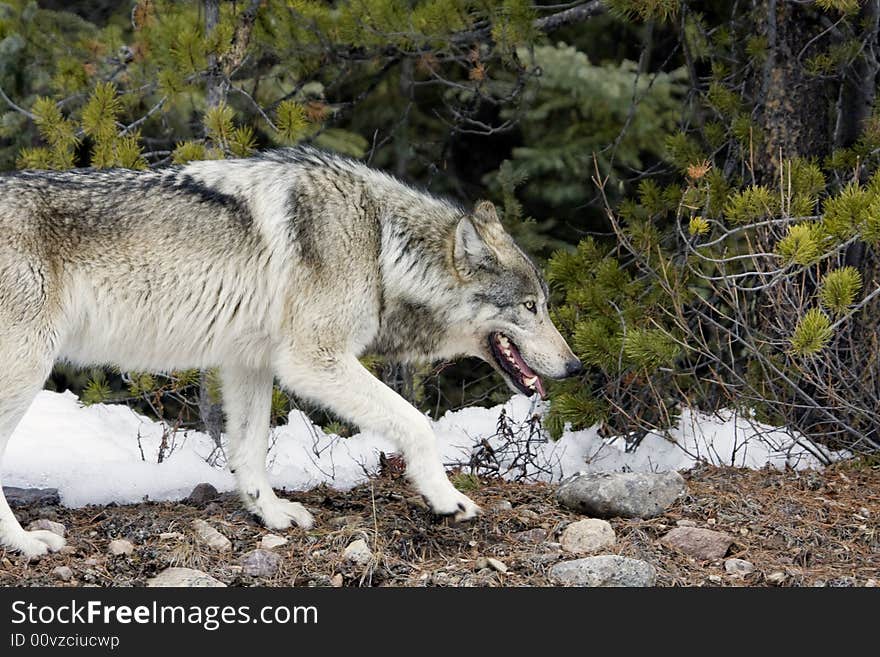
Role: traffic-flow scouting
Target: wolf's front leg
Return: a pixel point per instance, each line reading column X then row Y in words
column 247, row 400
column 343, row 385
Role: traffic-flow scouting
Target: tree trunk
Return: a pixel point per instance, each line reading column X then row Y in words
column 216, row 83
column 793, row 108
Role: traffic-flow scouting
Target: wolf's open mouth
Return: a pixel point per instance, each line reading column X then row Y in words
column 511, row 362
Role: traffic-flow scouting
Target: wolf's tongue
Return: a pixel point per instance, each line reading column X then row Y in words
column 526, row 371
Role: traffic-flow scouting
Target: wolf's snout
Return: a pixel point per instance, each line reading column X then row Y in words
column 573, row 367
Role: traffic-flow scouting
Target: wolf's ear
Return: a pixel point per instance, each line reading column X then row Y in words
column 469, row 250
column 485, row 215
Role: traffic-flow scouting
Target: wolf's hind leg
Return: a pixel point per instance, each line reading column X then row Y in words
column 347, row 388
column 21, row 378
column 247, row 399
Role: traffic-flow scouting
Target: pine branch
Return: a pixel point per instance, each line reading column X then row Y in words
column 571, row 16
column 15, row 107
column 549, row 23
column 134, row 125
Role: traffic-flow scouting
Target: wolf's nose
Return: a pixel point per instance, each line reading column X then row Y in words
column 574, row 367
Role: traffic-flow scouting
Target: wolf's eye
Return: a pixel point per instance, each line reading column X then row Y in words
column 531, row 307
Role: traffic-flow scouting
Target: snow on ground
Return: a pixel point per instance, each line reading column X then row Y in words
column 108, row 453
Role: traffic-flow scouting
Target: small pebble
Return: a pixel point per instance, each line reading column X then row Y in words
column 271, row 541
column 208, row 535
column 739, row 567
column 260, row 563
column 495, row 564
column 63, row 573
column 777, row 577
column 358, row 552
column 120, row 546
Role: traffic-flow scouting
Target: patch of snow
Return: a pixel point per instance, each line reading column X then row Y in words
column 93, row 454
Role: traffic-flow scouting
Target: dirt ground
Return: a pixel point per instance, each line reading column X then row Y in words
column 797, row 528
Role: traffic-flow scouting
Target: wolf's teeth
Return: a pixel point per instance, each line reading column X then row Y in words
column 530, row 382
column 503, row 341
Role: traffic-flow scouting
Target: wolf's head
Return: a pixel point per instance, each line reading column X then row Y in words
column 505, row 299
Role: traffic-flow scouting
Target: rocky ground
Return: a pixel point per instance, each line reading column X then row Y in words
column 730, row 528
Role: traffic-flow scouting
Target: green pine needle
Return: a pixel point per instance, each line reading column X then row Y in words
column 100, row 113
column 812, row 334
column 188, row 151
column 219, row 125
column 752, row 204
column 292, row 121
column 839, row 289
column 650, row 348
column 800, row 246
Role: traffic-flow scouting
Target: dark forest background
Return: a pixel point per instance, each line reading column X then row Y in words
column 697, row 178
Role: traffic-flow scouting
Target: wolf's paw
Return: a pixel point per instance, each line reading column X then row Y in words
column 452, row 503
column 34, row 543
column 280, row 514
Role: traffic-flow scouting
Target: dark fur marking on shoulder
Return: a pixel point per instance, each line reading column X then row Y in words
column 303, row 228
column 191, row 187
column 406, row 328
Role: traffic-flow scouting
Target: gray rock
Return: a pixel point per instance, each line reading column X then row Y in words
column 202, row 495
column 120, row 546
column 260, row 563
column 19, row 497
column 604, row 570
column 621, row 494
column 184, row 577
column 536, row 535
column 588, row 535
column 739, row 567
column 500, row 506
column 358, row 552
column 685, row 523
column 341, row 522
column 699, row 543
column 63, row 573
column 207, row 535
column 48, row 525
column 272, row 541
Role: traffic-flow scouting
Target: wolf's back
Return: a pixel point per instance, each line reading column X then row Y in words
column 115, row 199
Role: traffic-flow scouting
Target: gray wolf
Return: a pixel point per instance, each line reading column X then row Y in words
column 287, row 265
